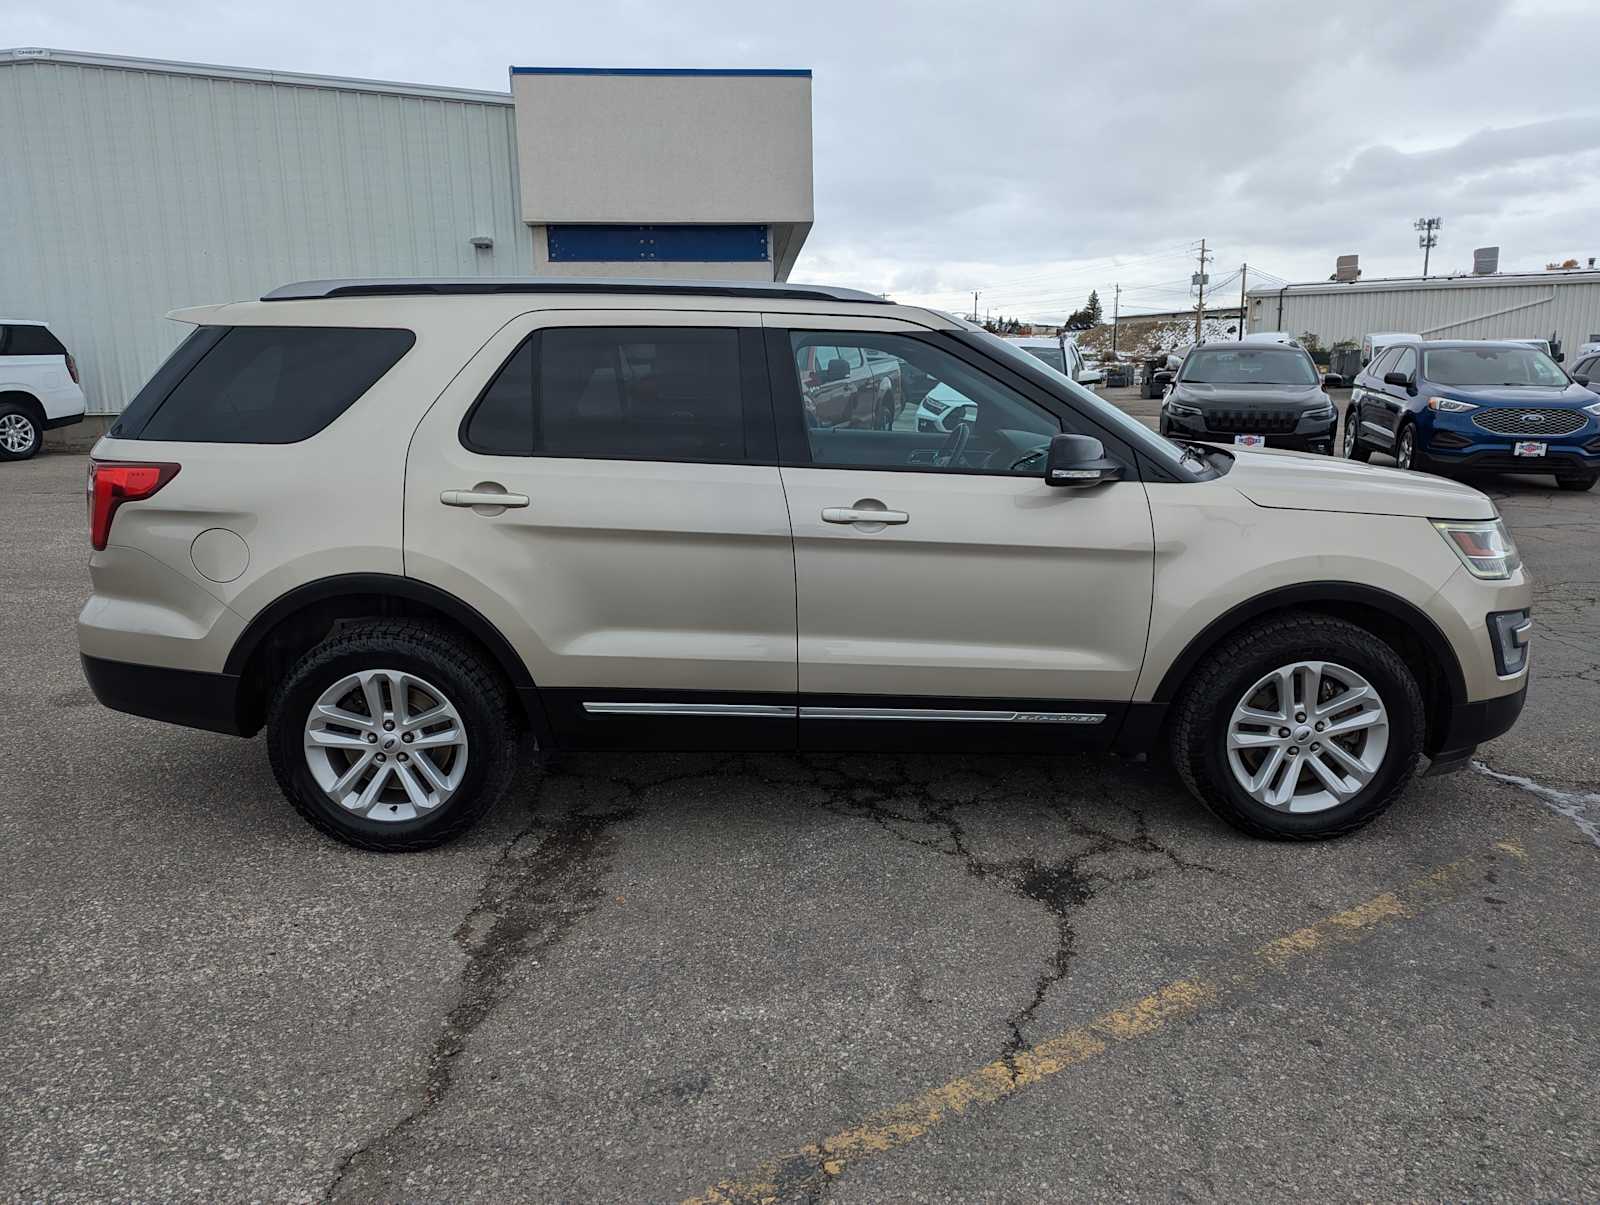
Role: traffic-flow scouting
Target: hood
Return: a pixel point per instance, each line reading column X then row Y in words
column 1517, row 395
column 1287, row 396
column 1285, row 480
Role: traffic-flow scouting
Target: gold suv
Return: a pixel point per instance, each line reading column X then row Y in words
column 403, row 525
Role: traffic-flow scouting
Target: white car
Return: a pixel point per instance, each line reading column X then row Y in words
column 38, row 386
column 1062, row 354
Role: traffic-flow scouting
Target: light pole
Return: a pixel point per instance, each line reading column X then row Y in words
column 1427, row 238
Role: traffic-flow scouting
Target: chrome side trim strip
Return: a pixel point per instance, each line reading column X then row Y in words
column 962, row 715
column 741, row 710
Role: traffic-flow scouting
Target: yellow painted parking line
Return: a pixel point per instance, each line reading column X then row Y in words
column 904, row 1123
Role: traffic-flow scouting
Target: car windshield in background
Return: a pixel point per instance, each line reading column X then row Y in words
column 1491, row 366
column 1184, row 460
column 1248, row 366
column 1050, row 355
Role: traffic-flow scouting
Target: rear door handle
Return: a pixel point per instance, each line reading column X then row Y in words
column 855, row 514
column 483, row 498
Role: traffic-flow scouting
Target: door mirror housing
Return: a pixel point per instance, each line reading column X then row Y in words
column 1077, row 462
column 1397, row 378
column 1581, row 379
column 835, row 370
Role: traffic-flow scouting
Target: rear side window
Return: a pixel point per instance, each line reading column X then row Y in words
column 617, row 393
column 29, row 341
column 265, row 384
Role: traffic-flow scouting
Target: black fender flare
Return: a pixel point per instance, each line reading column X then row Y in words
column 1310, row 594
column 395, row 586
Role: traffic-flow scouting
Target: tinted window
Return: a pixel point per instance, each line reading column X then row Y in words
column 501, row 423
column 274, row 384
column 1406, row 365
column 1244, row 365
column 1049, row 355
column 29, row 341
column 1384, row 362
column 647, row 393
column 919, row 408
column 1492, row 366
column 1587, row 368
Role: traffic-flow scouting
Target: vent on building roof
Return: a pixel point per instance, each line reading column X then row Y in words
column 1347, row 267
column 1486, row 261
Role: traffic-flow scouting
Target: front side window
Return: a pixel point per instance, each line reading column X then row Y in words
column 914, row 406
column 1492, row 366
column 1384, row 364
column 1245, row 365
column 615, row 393
column 1406, row 365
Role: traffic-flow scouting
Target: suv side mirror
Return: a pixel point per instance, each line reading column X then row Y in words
column 1581, row 379
column 1332, row 380
column 835, row 370
column 1397, row 378
column 1077, row 462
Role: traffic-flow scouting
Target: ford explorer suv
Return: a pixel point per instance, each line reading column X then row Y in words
column 38, row 387
column 405, row 527
column 1474, row 406
column 1255, row 395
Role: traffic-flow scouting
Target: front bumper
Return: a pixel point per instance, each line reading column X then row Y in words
column 1473, row 723
column 1306, row 435
column 1453, row 441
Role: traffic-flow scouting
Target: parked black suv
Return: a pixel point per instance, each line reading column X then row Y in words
column 1251, row 394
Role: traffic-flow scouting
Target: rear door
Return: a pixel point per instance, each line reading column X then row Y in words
column 983, row 609
column 641, row 561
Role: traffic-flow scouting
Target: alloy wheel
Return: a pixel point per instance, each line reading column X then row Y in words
column 1405, row 450
column 386, row 745
column 1307, row 737
column 1349, row 435
column 17, row 433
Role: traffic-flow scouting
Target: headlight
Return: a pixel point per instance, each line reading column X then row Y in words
column 933, row 407
column 1485, row 548
column 1179, row 408
column 1449, row 405
column 1323, row 411
column 1594, row 409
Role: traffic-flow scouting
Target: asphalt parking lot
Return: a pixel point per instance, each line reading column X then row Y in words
column 740, row 978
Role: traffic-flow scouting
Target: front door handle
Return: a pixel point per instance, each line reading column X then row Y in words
column 863, row 514
column 483, row 497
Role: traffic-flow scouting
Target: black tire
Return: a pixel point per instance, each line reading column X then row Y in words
column 473, row 687
column 1353, row 447
column 1405, row 441
column 1204, row 709
column 1577, row 483
column 23, row 422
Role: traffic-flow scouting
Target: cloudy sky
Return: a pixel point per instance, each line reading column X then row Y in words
column 1033, row 151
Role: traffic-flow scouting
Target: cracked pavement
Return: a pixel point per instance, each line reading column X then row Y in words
column 645, row 975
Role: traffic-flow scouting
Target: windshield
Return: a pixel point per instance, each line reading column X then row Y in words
column 1248, row 366
column 1184, row 460
column 1491, row 366
column 1050, row 355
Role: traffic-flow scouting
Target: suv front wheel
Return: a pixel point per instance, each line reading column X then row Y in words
column 392, row 735
column 1301, row 727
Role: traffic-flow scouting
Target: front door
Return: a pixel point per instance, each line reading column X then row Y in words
column 946, row 596
column 602, row 486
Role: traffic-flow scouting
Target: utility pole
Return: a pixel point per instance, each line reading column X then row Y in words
column 1200, row 279
column 1116, row 310
column 1427, row 238
column 1243, row 271
column 974, row 305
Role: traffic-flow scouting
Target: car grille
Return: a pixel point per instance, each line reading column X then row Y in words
column 1530, row 420
column 1251, row 421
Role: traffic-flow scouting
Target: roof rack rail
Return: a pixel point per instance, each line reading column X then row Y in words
column 423, row 286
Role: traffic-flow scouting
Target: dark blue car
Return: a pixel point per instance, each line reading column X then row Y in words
column 1443, row 407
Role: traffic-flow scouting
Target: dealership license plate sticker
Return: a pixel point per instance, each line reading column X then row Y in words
column 1528, row 447
column 1258, row 441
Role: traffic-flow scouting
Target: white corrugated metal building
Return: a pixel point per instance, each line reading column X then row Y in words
column 1533, row 305
column 132, row 187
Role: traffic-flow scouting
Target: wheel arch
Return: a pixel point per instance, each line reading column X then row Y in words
column 1402, row 625
column 297, row 621
column 11, row 393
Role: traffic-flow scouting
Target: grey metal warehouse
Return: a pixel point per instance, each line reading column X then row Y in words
column 1535, row 305
column 133, row 187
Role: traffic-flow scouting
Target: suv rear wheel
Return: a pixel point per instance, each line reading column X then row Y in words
column 19, row 431
column 1301, row 727
column 392, row 736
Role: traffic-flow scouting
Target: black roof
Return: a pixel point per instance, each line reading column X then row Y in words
column 422, row 286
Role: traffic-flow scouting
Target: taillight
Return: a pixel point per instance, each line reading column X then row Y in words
column 72, row 369
column 111, row 483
